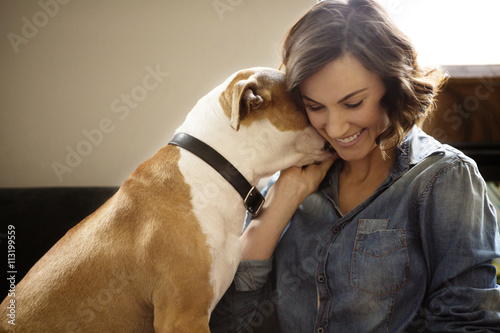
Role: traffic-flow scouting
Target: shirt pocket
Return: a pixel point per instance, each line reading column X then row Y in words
column 380, row 260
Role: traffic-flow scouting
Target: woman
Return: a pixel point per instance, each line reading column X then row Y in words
column 395, row 235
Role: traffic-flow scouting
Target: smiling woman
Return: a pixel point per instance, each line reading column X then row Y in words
column 378, row 243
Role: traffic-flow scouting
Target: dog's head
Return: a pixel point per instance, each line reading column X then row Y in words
column 276, row 130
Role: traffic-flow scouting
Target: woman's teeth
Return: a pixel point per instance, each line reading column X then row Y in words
column 350, row 139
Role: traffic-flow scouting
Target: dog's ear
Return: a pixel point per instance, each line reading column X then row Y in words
column 244, row 99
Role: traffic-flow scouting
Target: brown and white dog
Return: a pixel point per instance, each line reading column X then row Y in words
column 161, row 252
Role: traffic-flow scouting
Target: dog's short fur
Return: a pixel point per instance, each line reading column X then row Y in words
column 161, row 252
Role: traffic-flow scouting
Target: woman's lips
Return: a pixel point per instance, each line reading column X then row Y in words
column 351, row 140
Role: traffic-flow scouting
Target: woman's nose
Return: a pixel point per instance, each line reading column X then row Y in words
column 336, row 124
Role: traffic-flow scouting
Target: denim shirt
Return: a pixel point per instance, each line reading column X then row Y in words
column 416, row 256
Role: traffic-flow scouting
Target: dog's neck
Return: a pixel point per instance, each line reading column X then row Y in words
column 251, row 196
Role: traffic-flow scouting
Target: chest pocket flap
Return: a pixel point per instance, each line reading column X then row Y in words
column 380, row 260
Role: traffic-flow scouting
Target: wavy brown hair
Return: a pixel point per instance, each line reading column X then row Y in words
column 364, row 29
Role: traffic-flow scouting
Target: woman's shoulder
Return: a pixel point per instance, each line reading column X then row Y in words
column 431, row 161
column 433, row 155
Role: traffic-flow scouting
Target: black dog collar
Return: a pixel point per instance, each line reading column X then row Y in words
column 252, row 198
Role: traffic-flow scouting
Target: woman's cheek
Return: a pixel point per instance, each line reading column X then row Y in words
column 315, row 120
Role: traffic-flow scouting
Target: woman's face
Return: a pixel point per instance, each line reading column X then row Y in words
column 342, row 101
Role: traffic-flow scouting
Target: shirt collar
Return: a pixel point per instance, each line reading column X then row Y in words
column 415, row 148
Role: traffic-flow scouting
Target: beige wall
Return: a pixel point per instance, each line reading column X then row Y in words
column 110, row 80
column 70, row 70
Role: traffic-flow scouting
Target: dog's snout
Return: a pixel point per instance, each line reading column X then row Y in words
column 328, row 147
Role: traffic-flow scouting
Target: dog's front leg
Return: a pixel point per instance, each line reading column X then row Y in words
column 182, row 307
column 181, row 320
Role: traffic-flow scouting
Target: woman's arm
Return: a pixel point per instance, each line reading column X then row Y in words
column 460, row 239
column 247, row 302
column 284, row 197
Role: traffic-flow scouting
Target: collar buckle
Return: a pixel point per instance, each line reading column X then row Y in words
column 254, row 201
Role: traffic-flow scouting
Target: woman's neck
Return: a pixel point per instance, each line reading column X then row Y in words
column 375, row 165
column 358, row 180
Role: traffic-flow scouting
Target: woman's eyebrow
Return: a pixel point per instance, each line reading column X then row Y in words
column 310, row 99
column 346, row 97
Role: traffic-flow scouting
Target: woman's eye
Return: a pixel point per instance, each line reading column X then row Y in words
column 314, row 108
column 353, row 106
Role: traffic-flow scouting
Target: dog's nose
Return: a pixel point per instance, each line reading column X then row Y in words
column 328, row 147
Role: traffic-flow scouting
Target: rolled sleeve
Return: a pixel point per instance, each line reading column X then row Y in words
column 245, row 306
column 252, row 275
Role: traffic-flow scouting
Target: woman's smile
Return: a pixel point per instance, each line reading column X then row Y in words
column 350, row 140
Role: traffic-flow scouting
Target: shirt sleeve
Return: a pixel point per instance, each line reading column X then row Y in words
column 252, row 275
column 249, row 302
column 460, row 239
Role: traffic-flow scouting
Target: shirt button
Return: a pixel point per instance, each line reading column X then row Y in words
column 321, row 330
column 321, row 278
column 336, row 230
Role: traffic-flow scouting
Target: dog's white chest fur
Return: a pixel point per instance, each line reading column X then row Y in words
column 221, row 214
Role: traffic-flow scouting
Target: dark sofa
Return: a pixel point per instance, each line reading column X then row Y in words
column 41, row 216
